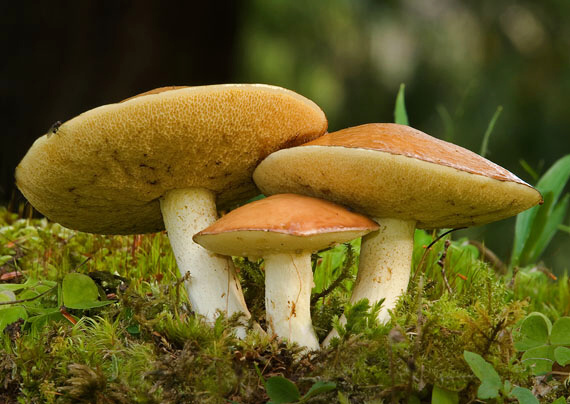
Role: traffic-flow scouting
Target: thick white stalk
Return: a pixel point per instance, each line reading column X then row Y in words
column 384, row 269
column 213, row 284
column 288, row 284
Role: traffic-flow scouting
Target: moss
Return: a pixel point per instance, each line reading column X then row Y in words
column 149, row 347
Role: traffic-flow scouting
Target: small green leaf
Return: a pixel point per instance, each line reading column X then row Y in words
column 443, row 396
column 490, row 380
column 540, row 359
column 560, row 334
column 319, row 388
column 11, row 314
column 6, row 296
column 559, row 400
column 400, row 114
column 282, row 390
column 81, row 292
column 533, row 332
column 524, row 396
column 562, row 355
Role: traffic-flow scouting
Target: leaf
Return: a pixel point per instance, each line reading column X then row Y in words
column 530, row 232
column 443, row 396
column 11, row 314
column 6, row 296
column 559, row 400
column 562, row 355
column 490, row 380
column 81, row 292
column 553, row 222
column 560, row 334
column 540, row 359
column 400, row 114
column 281, row 390
column 533, row 332
column 319, row 388
column 524, row 396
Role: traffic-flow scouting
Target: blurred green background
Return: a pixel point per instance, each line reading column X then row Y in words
column 460, row 60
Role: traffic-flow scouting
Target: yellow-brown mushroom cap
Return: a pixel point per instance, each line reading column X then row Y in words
column 105, row 170
column 284, row 223
column 390, row 170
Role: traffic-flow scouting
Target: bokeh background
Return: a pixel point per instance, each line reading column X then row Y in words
column 459, row 60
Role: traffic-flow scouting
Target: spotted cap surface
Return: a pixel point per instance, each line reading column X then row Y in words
column 105, row 170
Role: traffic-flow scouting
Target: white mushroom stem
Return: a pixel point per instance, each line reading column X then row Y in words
column 213, row 284
column 288, row 284
column 384, row 269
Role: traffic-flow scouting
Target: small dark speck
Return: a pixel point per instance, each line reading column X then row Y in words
column 145, row 155
column 153, row 182
column 227, row 174
column 218, row 163
column 53, row 128
column 71, row 189
column 212, row 177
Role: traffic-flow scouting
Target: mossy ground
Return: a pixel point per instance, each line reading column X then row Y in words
column 148, row 347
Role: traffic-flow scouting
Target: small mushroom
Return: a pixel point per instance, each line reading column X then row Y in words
column 284, row 230
column 404, row 179
column 167, row 158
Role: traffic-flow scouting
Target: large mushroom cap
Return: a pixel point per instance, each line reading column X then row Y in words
column 390, row 170
column 105, row 170
column 284, row 223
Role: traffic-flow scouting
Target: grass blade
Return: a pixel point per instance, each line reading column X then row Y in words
column 490, row 127
column 400, row 114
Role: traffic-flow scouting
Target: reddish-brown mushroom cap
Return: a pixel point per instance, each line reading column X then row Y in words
column 283, row 223
column 390, row 170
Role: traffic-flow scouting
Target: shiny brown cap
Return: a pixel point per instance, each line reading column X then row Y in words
column 105, row 170
column 283, row 223
column 390, row 170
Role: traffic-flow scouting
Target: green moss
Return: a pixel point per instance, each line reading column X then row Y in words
column 149, row 347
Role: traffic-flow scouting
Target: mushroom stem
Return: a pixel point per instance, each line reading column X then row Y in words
column 384, row 269
column 385, row 263
column 213, row 283
column 288, row 284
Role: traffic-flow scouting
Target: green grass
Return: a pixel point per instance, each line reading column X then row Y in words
column 148, row 346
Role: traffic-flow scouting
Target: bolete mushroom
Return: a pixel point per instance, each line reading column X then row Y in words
column 404, row 179
column 284, row 230
column 165, row 158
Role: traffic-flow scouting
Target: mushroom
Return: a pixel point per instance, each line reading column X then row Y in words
column 402, row 178
column 165, row 158
column 284, row 230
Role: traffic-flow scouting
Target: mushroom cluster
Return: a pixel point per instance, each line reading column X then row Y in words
column 171, row 157
column 404, row 179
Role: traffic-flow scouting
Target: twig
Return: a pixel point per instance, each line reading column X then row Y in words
column 489, row 257
column 428, row 248
column 441, row 263
column 28, row 299
column 345, row 274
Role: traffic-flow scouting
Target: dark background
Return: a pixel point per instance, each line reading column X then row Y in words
column 460, row 60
